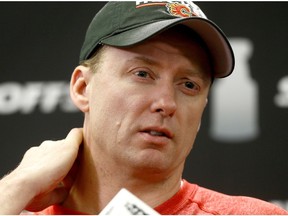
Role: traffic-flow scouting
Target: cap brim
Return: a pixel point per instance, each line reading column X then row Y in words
column 217, row 43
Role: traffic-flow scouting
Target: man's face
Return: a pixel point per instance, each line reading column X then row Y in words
column 146, row 103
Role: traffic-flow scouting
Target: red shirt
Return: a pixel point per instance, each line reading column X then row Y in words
column 192, row 199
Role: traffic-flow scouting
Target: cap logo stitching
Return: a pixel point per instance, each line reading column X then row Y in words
column 175, row 8
column 180, row 10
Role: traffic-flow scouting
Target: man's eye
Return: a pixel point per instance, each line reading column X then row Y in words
column 189, row 85
column 191, row 88
column 143, row 74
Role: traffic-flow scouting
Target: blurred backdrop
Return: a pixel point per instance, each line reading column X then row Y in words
column 242, row 146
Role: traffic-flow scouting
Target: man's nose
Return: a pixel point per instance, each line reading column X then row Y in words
column 164, row 101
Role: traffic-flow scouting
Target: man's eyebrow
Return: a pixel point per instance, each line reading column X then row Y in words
column 144, row 59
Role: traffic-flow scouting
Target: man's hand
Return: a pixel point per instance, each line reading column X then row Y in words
column 43, row 177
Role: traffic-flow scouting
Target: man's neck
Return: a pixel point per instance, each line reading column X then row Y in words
column 95, row 186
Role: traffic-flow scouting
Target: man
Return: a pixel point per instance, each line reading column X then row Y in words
column 143, row 82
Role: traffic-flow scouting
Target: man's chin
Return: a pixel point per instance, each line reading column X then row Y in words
column 152, row 161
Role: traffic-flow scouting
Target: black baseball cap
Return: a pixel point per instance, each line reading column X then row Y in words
column 122, row 24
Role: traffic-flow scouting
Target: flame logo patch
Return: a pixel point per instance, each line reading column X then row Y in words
column 179, row 10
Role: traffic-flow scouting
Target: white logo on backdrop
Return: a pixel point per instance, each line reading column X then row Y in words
column 281, row 98
column 25, row 98
column 234, row 100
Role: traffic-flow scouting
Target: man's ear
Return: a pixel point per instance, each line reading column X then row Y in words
column 78, row 87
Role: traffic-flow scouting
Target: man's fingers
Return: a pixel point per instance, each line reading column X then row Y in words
column 75, row 137
column 47, row 172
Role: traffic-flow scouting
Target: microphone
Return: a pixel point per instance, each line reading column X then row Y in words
column 126, row 203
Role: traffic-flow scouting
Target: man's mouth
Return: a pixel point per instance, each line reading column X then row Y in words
column 159, row 133
column 156, row 133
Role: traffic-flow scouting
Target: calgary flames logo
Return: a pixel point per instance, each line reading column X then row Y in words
column 180, row 10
